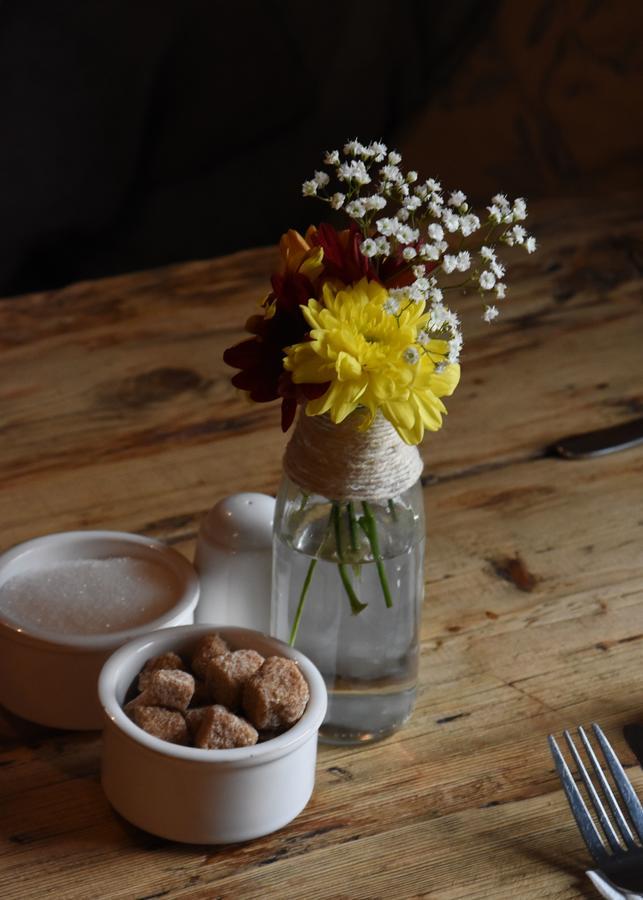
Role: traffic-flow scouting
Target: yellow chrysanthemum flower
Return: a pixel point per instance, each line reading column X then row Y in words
column 373, row 360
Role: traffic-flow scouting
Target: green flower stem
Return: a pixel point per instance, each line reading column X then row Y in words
column 302, row 599
column 337, row 526
column 352, row 525
column 369, row 526
column 356, row 605
column 353, row 599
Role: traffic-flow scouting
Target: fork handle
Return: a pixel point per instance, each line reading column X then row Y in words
column 608, row 889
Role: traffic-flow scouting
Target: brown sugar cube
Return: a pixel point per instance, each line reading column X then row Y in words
column 222, row 730
column 208, row 647
column 193, row 719
column 167, row 687
column 227, row 674
column 167, row 724
column 276, row 695
column 129, row 708
column 164, row 661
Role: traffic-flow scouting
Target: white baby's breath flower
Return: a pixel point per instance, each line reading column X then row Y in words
column 451, row 220
column 383, row 246
column 487, row 280
column 309, row 188
column 487, row 253
column 353, row 148
column 490, row 313
column 452, row 321
column 519, row 209
column 433, row 185
column 321, row 179
column 412, row 203
column 361, row 175
column 500, row 200
column 420, row 282
column 438, row 316
column 530, row 244
column 409, row 253
column 391, row 173
column 435, row 208
column 331, row 157
column 469, row 224
column 495, row 213
column 377, row 150
column 455, row 347
column 355, row 209
column 394, row 158
column 421, row 191
column 353, row 171
column 411, row 176
column 449, row 263
column 411, row 355
column 403, row 190
column 407, row 235
column 368, row 247
column 387, row 226
column 501, row 290
column 435, row 295
column 374, row 202
column 463, row 261
column 402, row 215
column 419, row 271
column 391, row 306
column 423, row 338
column 430, row 252
column 497, row 268
column 435, row 231
column 519, row 234
column 337, row 200
column 457, row 198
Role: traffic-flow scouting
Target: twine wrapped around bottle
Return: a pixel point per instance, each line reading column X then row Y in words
column 342, row 463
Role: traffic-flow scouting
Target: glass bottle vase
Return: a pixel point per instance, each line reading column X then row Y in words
column 347, row 591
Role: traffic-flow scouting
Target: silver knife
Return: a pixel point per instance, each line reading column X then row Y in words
column 598, row 443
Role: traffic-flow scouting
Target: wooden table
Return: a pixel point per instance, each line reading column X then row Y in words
column 117, row 412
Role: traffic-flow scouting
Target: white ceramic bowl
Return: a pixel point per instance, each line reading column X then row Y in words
column 205, row 796
column 51, row 678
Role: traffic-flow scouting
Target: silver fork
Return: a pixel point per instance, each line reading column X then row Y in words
column 618, row 852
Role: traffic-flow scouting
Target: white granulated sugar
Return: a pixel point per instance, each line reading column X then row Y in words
column 89, row 596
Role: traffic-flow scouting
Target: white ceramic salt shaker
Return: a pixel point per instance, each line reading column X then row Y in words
column 234, row 562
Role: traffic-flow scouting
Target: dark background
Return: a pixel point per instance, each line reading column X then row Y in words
column 141, row 132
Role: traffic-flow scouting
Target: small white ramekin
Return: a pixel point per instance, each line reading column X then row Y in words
column 51, row 678
column 205, row 796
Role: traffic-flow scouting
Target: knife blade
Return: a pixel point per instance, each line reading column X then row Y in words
column 600, row 442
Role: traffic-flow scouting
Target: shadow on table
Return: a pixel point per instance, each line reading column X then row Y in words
column 573, row 864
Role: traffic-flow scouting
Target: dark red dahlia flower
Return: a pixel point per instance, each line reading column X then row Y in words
column 260, row 358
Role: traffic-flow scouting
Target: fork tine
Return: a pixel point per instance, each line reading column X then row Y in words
column 577, row 805
column 623, row 783
column 621, row 822
column 603, row 818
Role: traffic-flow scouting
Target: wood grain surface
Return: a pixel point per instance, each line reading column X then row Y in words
column 117, row 412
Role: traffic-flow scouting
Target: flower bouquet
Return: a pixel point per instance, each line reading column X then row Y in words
column 357, row 332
